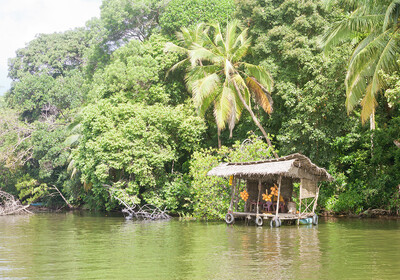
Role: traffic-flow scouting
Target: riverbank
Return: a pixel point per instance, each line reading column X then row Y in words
column 370, row 213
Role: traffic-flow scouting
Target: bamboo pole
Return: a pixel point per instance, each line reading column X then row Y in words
column 279, row 195
column 237, row 197
column 298, row 219
column 259, row 193
column 233, row 195
column 315, row 202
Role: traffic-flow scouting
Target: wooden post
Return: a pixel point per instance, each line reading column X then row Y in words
column 245, row 203
column 315, row 202
column 258, row 198
column 237, row 199
column 298, row 219
column 279, row 195
column 233, row 194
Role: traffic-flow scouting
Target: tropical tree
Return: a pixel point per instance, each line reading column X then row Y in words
column 218, row 76
column 376, row 22
column 188, row 37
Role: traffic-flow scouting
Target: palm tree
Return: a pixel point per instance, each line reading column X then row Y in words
column 188, row 37
column 217, row 76
column 377, row 22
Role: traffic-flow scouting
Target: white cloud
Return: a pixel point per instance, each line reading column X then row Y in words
column 22, row 20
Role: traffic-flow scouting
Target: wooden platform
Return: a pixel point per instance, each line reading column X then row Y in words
column 282, row 216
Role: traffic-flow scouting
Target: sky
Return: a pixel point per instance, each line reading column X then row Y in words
column 22, row 20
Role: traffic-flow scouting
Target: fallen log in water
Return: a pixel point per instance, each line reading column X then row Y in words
column 11, row 206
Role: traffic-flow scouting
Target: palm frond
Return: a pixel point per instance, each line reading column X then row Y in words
column 368, row 61
column 171, row 47
column 349, row 27
column 222, row 108
column 229, row 69
column 234, row 114
column 242, row 87
column 197, row 72
column 387, row 61
column 202, row 88
column 261, row 75
column 260, row 95
column 189, row 36
column 231, row 35
column 218, row 42
column 241, row 50
column 368, row 104
column 363, row 58
column 181, row 64
column 241, row 38
column 71, row 165
column 238, row 80
column 355, row 91
column 207, row 102
column 363, row 49
column 392, row 14
column 199, row 53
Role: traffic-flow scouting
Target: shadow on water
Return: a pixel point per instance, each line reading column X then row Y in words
column 86, row 246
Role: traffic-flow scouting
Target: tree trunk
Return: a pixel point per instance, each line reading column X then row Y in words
column 372, row 128
column 255, row 120
column 218, row 130
column 69, row 205
column 219, row 139
column 372, row 120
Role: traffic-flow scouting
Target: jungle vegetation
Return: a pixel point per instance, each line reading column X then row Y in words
column 151, row 95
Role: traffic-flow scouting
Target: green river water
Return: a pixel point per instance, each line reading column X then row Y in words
column 84, row 246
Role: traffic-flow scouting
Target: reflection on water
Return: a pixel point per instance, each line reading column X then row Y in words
column 82, row 246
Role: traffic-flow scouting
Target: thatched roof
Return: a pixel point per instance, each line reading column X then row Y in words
column 295, row 166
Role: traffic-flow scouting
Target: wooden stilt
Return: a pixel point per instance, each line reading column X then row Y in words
column 315, row 202
column 258, row 197
column 233, row 194
column 279, row 195
column 298, row 220
column 237, row 197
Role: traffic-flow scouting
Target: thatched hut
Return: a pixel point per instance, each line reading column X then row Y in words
column 262, row 176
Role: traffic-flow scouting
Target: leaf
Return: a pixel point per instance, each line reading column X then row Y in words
column 260, row 95
column 261, row 75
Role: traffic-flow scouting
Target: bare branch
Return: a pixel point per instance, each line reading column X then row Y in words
column 69, row 205
column 145, row 212
column 11, row 206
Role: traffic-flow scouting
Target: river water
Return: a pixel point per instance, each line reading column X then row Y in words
column 85, row 246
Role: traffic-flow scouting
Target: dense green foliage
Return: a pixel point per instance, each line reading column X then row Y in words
column 187, row 13
column 96, row 108
column 134, row 146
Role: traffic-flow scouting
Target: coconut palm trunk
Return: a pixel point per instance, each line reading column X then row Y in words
column 219, row 137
